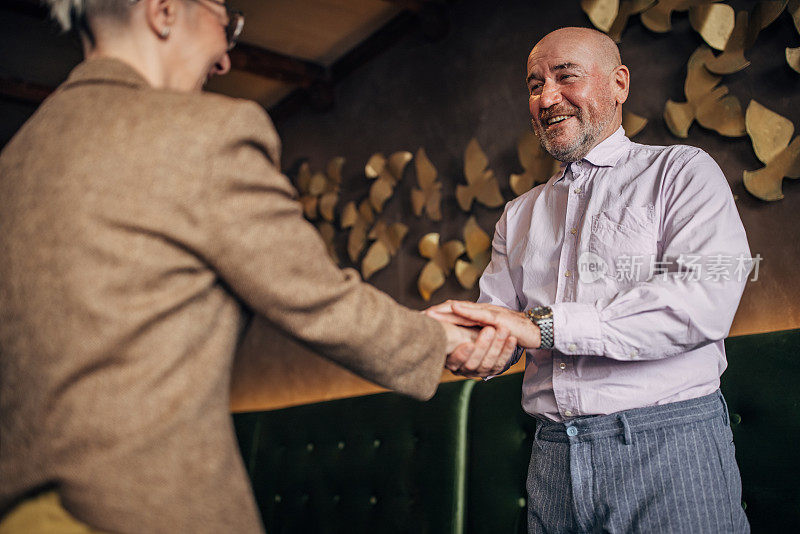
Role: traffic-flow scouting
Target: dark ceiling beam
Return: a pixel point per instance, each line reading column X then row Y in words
column 24, row 92
column 257, row 60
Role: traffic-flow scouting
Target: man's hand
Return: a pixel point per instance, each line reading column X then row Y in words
column 518, row 325
column 444, row 314
column 471, row 314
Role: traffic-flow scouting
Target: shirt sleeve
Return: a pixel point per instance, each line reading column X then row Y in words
column 496, row 284
column 267, row 254
column 674, row 312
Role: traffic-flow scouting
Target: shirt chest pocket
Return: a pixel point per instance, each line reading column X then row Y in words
column 626, row 239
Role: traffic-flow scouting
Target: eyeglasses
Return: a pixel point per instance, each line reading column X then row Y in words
column 234, row 25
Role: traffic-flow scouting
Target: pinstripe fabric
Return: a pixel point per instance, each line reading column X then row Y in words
column 668, row 468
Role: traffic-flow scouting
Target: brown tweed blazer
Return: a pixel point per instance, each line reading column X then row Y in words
column 133, row 224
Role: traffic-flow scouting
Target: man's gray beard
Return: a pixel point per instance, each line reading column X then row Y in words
column 574, row 152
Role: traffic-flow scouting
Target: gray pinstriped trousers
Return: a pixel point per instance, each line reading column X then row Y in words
column 668, row 468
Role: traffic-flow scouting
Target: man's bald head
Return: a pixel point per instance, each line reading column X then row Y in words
column 604, row 50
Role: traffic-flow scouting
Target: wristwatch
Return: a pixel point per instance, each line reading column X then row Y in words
column 542, row 316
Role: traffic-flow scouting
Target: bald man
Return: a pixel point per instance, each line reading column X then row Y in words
column 620, row 278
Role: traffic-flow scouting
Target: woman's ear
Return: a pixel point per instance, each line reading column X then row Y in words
column 160, row 15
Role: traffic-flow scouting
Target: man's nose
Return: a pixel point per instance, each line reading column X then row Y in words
column 223, row 65
column 551, row 95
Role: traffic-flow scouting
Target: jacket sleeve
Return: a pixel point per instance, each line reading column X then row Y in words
column 274, row 260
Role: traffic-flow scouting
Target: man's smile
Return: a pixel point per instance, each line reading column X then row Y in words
column 550, row 118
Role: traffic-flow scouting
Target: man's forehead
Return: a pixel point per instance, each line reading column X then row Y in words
column 541, row 62
column 579, row 47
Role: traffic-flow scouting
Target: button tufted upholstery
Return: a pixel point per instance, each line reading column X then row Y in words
column 762, row 388
column 379, row 463
column 386, row 463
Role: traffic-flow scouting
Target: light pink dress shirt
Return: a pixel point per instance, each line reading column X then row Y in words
column 641, row 254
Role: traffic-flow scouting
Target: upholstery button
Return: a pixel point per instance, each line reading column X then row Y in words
column 568, row 413
column 373, row 500
column 376, row 443
column 310, row 447
column 571, row 430
column 340, row 445
column 562, row 366
column 572, row 347
column 736, row 418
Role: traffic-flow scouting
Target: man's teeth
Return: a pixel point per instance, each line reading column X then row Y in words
column 557, row 119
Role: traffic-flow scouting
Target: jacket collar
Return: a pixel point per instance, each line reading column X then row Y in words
column 105, row 70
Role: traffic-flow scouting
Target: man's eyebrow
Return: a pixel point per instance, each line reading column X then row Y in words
column 567, row 66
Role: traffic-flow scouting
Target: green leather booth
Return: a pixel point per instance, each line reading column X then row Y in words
column 378, row 463
column 457, row 464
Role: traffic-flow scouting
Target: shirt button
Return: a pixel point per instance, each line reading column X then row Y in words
column 572, row 347
column 634, row 353
column 562, row 366
column 567, row 274
column 571, row 430
column 577, row 190
column 573, row 231
column 569, row 414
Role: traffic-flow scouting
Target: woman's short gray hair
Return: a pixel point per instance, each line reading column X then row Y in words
column 72, row 13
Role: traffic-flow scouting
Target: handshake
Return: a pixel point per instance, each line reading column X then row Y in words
column 481, row 338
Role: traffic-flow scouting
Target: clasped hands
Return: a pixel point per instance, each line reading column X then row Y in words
column 481, row 338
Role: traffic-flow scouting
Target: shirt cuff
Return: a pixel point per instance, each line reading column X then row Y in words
column 576, row 328
column 515, row 356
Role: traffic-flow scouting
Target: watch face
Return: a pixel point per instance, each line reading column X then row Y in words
column 541, row 312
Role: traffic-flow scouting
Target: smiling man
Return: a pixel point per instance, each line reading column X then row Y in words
column 620, row 276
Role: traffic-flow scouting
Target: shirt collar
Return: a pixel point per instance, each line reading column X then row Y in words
column 606, row 154
column 105, row 70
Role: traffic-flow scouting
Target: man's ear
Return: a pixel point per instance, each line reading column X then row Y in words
column 621, row 79
column 161, row 15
